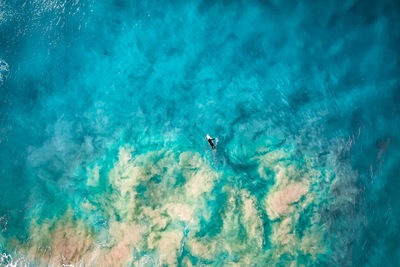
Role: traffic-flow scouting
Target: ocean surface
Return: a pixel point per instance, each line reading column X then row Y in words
column 104, row 110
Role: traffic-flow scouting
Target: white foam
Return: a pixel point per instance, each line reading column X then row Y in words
column 7, row 260
column 4, row 70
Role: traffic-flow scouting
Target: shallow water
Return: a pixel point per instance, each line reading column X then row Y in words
column 105, row 106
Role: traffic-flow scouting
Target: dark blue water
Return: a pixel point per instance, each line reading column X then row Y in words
column 104, row 110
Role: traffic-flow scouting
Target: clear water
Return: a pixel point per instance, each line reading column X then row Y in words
column 105, row 106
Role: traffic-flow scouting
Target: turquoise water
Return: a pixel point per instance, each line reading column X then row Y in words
column 105, row 106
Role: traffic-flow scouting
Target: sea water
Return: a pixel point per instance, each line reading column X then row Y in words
column 104, row 110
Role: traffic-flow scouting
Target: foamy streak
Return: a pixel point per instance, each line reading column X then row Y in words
column 154, row 205
column 7, row 260
column 4, row 68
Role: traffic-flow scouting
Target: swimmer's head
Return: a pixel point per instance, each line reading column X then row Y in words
column 208, row 137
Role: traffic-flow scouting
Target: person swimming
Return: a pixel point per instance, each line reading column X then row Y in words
column 210, row 141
